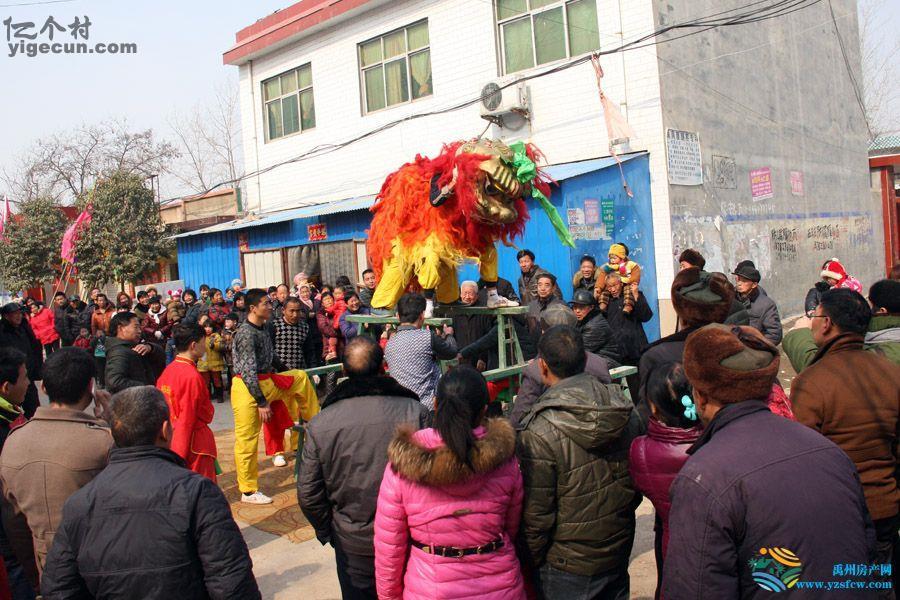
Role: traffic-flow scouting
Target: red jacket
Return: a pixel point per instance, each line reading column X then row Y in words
column 43, row 326
column 654, row 461
column 192, row 411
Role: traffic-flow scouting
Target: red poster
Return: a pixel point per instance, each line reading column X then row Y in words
column 243, row 242
column 797, row 183
column 317, row 232
column 761, row 184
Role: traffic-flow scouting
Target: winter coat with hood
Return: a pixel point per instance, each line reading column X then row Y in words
column 654, row 460
column 852, row 397
column 730, row 500
column 336, row 494
column 598, row 337
column 578, row 515
column 146, row 527
column 883, row 337
column 429, row 496
column 42, row 326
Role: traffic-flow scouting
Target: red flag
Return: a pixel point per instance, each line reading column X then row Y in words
column 70, row 238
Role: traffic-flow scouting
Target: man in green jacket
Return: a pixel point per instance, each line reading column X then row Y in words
column 578, row 513
column 883, row 336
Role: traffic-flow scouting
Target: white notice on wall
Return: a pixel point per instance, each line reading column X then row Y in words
column 683, row 155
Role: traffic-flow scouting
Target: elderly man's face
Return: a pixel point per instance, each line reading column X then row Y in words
column 614, row 286
column 468, row 294
column 743, row 285
column 544, row 288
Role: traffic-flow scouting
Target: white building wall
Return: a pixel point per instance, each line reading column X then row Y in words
column 567, row 121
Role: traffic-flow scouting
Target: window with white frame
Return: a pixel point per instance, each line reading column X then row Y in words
column 288, row 102
column 536, row 32
column 396, row 67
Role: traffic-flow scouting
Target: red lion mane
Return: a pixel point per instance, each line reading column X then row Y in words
column 403, row 212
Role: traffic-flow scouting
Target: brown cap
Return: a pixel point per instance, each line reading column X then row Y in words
column 730, row 364
column 701, row 298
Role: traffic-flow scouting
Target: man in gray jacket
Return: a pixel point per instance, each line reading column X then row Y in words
column 763, row 312
column 344, row 456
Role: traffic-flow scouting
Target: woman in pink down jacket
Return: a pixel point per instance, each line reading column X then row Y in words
column 656, row 458
column 450, row 503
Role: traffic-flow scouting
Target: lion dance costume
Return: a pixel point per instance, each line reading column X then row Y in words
column 433, row 213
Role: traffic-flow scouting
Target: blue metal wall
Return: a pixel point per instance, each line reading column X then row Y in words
column 633, row 226
column 214, row 258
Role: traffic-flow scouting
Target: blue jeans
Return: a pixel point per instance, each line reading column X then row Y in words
column 554, row 584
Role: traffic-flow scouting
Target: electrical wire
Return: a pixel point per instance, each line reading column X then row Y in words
column 853, row 82
column 773, row 9
column 35, row 3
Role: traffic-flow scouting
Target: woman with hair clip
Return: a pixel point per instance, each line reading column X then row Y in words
column 656, row 458
column 450, row 503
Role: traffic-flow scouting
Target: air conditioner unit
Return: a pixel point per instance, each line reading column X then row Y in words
column 498, row 102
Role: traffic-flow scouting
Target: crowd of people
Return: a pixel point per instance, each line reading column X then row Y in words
column 422, row 482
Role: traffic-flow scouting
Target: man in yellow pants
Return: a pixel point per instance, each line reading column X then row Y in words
column 255, row 387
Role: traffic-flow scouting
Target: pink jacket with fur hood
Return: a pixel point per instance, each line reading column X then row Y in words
column 428, row 495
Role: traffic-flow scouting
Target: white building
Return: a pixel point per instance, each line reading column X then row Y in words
column 320, row 78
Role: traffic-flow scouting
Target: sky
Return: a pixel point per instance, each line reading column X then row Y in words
column 177, row 66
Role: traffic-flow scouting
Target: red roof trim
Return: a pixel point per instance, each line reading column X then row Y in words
column 284, row 24
column 884, row 160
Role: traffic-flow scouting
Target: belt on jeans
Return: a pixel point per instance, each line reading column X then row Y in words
column 452, row 552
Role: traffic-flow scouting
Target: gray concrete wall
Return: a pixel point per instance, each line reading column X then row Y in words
column 774, row 94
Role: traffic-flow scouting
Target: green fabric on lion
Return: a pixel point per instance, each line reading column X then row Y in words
column 526, row 171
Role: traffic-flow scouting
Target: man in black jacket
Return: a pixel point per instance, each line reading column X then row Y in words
column 594, row 328
column 146, row 526
column 64, row 319
column 336, row 491
column 129, row 361
column 15, row 332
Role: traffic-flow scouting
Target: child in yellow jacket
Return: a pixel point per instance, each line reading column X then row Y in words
column 214, row 362
column 628, row 270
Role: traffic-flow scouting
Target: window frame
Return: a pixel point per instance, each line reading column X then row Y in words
column 407, row 54
column 530, row 14
column 281, row 97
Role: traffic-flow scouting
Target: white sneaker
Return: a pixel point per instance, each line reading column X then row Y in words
column 495, row 300
column 256, row 497
column 279, row 461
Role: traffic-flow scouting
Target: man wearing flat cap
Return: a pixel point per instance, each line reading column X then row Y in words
column 763, row 502
column 761, row 308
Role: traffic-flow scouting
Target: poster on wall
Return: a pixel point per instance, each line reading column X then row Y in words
column 761, row 184
column 243, row 241
column 317, row 232
column 797, row 183
column 683, row 157
column 591, row 212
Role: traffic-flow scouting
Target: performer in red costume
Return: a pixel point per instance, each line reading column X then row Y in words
column 190, row 407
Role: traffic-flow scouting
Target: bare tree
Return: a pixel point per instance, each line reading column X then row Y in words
column 64, row 165
column 880, row 49
column 209, row 141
